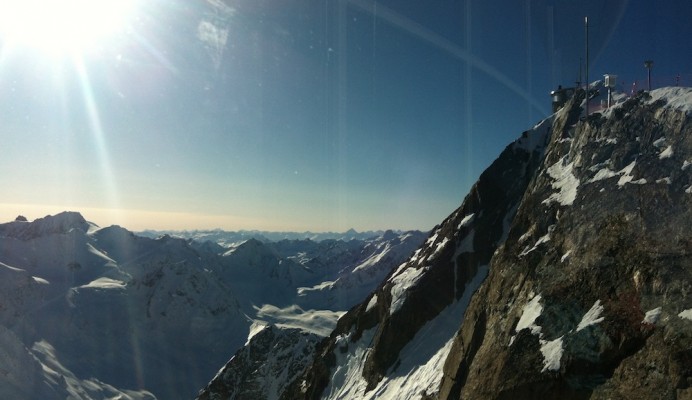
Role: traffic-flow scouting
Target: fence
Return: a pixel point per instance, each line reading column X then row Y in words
column 656, row 82
column 632, row 87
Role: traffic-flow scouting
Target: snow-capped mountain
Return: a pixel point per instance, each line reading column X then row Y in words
column 565, row 273
column 228, row 238
column 97, row 313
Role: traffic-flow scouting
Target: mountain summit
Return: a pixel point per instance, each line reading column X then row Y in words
column 565, row 273
column 61, row 223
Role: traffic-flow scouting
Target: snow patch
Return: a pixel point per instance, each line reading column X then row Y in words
column 40, row 280
column 440, row 246
column 466, row 221
column 565, row 256
column 685, row 165
column 604, row 173
column 679, row 98
column 665, row 180
column 375, row 259
column 652, row 316
column 532, row 310
column 627, row 175
column 105, row 283
column 400, row 284
column 543, row 239
column 592, row 317
column 667, row 153
column 403, row 265
column 431, row 240
column 687, row 314
column 564, row 182
column 552, row 353
column 372, row 303
column 550, row 349
column 255, row 328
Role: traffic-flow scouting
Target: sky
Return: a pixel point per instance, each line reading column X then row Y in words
column 293, row 115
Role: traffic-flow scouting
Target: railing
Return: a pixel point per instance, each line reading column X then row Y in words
column 633, row 87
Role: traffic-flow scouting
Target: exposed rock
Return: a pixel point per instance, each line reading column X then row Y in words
column 270, row 360
column 589, row 243
column 599, row 259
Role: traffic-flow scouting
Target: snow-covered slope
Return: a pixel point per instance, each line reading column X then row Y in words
column 102, row 312
column 229, row 238
column 582, row 227
column 372, row 263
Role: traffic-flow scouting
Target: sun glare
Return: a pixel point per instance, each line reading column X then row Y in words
column 62, row 26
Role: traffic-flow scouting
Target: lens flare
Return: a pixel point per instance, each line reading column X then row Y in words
column 62, row 26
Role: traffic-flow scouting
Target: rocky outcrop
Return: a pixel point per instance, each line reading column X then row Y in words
column 583, row 299
column 584, row 226
column 264, row 366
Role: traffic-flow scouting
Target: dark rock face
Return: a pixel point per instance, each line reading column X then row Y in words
column 583, row 299
column 586, row 226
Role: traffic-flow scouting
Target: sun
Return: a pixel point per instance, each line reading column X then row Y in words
column 62, row 26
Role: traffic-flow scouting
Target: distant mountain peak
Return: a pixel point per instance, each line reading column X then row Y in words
column 61, row 223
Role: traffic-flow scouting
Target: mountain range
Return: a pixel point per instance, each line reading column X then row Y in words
column 92, row 313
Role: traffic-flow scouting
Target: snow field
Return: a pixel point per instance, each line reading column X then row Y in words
column 652, row 316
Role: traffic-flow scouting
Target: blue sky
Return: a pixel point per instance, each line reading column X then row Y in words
column 294, row 115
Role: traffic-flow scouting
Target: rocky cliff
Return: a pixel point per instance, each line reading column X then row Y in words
column 587, row 297
column 583, row 228
column 272, row 358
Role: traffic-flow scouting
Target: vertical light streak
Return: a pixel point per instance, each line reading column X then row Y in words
column 468, row 93
column 529, row 59
column 97, row 131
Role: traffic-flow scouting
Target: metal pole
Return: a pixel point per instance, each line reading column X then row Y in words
column 610, row 95
column 649, row 64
